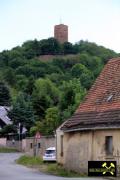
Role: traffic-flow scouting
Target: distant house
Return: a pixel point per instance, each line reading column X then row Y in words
column 93, row 132
column 4, row 119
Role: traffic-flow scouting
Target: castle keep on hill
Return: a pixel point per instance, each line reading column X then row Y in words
column 61, row 33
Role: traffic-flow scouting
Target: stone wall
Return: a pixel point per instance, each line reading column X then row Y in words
column 3, row 141
column 38, row 147
column 14, row 144
column 30, row 145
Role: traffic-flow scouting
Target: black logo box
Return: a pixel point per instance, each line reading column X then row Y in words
column 102, row 168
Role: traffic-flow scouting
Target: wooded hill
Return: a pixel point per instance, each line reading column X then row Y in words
column 44, row 94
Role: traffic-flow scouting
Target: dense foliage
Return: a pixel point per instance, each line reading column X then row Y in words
column 43, row 94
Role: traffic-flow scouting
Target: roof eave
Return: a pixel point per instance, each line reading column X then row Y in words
column 88, row 129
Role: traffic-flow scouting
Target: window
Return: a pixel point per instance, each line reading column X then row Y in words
column 39, row 145
column 110, row 98
column 61, row 153
column 31, row 145
column 109, row 145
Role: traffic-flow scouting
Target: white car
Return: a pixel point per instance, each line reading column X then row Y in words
column 50, row 154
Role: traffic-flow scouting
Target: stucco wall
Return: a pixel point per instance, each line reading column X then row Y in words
column 80, row 147
column 77, row 150
column 99, row 145
column 60, row 159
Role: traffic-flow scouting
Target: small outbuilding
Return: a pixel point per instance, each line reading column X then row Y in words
column 4, row 119
column 93, row 132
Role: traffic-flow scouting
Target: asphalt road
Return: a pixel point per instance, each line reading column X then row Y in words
column 9, row 170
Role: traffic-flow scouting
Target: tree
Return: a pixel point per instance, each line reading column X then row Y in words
column 50, row 46
column 38, row 127
column 4, row 58
column 8, row 129
column 22, row 112
column 52, row 120
column 44, row 95
column 5, row 98
column 71, row 96
column 87, row 79
column 68, row 96
column 93, row 63
column 31, row 49
column 22, row 82
column 48, row 125
column 9, row 76
column 78, row 69
column 17, row 62
column 67, row 48
column 30, row 85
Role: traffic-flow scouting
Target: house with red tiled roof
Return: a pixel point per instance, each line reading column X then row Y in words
column 93, row 132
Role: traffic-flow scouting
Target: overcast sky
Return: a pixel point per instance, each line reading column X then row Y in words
column 93, row 20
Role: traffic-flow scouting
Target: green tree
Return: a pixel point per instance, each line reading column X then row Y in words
column 22, row 112
column 4, row 58
column 38, row 127
column 22, row 82
column 31, row 49
column 67, row 48
column 30, row 85
column 78, row 69
column 72, row 93
column 87, row 79
column 93, row 63
column 17, row 62
column 50, row 46
column 5, row 98
column 44, row 95
column 86, row 76
column 8, row 129
column 9, row 76
column 52, row 120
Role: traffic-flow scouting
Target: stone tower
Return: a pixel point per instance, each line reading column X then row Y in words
column 61, row 33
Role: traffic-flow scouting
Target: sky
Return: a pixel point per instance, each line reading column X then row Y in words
column 93, row 20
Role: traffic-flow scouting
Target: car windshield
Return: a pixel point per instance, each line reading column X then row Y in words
column 50, row 151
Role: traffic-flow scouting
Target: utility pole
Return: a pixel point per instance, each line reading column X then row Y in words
column 19, row 136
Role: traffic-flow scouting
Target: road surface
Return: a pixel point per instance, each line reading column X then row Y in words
column 9, row 170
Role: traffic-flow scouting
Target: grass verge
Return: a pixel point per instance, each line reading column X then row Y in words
column 50, row 168
column 7, row 150
column 29, row 161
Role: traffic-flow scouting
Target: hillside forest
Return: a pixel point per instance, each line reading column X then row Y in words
column 43, row 94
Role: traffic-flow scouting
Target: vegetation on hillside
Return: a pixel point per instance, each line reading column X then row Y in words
column 44, row 94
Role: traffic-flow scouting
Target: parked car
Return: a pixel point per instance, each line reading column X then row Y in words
column 50, row 154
